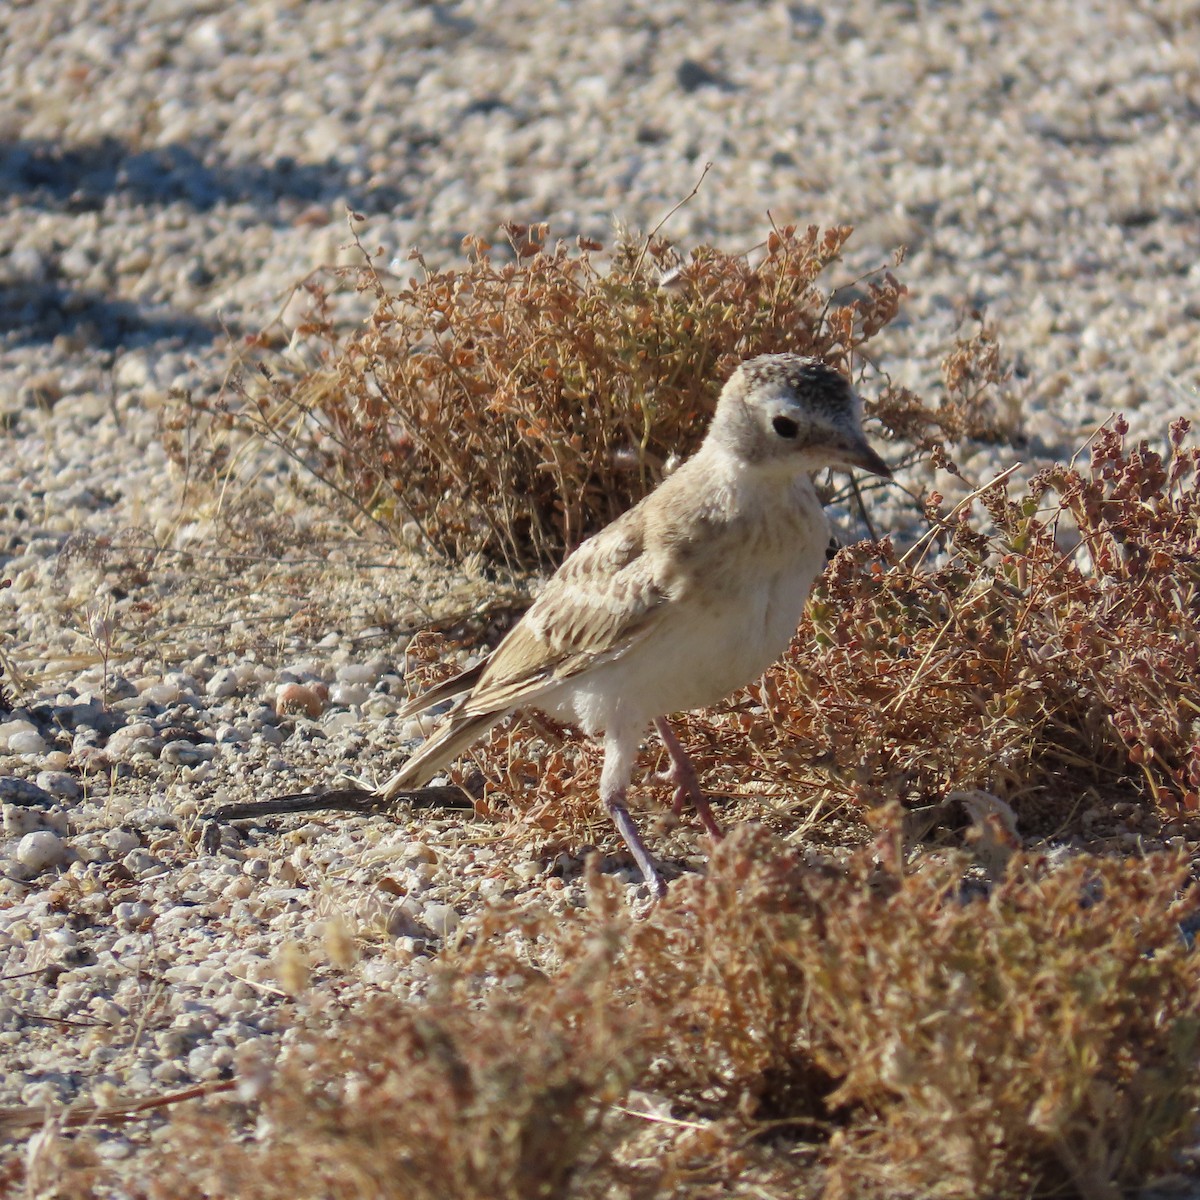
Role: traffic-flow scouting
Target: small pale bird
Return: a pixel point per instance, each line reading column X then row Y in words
column 686, row 597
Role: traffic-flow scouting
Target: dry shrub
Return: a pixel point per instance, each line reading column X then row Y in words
column 514, row 408
column 1042, row 1038
column 53, row 1164
column 1050, row 658
column 499, row 1100
column 1038, row 1039
column 977, row 403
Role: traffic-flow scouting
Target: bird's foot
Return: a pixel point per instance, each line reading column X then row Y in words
column 687, row 785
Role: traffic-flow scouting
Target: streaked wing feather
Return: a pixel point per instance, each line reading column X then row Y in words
column 603, row 600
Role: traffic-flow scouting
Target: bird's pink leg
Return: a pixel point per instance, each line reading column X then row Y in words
column 683, row 775
column 615, row 807
column 620, row 745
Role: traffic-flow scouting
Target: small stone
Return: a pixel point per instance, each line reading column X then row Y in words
column 122, row 744
column 418, row 852
column 162, row 693
column 380, row 705
column 182, row 753
column 61, row 939
column 41, row 850
column 296, row 698
column 359, row 674
column 121, row 841
column 113, row 1149
column 441, row 919
column 402, row 922
column 22, row 792
column 26, row 742
column 223, row 683
column 14, row 728
column 31, row 265
column 119, row 688
column 132, row 371
column 347, row 694
column 60, row 784
column 20, row 820
column 140, row 864
column 131, row 913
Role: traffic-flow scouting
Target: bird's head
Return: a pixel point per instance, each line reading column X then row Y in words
column 787, row 409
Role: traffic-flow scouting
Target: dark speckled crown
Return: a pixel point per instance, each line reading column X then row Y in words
column 825, row 390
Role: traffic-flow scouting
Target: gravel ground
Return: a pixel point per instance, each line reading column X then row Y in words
column 168, row 170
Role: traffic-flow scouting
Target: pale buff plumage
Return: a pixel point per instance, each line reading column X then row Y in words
column 690, row 594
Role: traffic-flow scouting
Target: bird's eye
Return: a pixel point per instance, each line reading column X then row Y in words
column 785, row 427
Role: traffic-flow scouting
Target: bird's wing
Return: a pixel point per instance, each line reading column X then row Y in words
column 603, row 600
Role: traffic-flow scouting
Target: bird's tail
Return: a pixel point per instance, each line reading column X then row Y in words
column 448, row 689
column 443, row 747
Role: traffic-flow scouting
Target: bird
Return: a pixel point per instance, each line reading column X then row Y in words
column 684, row 598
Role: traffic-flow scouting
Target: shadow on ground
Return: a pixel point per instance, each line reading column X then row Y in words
column 45, row 175
column 32, row 312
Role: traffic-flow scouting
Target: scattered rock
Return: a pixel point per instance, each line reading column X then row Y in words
column 41, row 850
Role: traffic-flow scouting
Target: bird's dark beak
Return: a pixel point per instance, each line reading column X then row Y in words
column 859, row 453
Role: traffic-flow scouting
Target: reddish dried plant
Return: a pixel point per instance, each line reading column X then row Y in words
column 1043, row 648
column 514, row 408
column 865, row 1031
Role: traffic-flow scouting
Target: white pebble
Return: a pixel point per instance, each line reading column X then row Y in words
column 120, row 842
column 26, row 741
column 15, row 729
column 223, row 683
column 347, row 694
column 402, row 922
column 61, row 939
column 41, row 850
column 183, row 753
column 59, row 783
column 491, row 887
column 164, row 693
column 140, row 864
column 335, row 721
column 359, row 674
column 132, row 912
column 121, row 742
column 441, row 919
column 20, row 820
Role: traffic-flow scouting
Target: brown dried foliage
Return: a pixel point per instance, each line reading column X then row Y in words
column 516, row 408
column 860, row 1032
column 1051, row 657
column 445, row 1099
column 976, row 405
